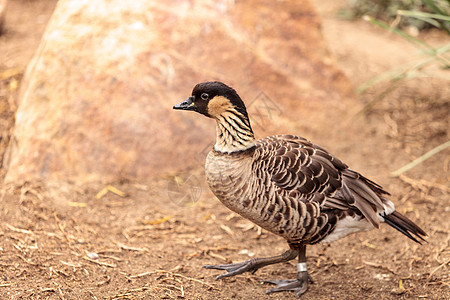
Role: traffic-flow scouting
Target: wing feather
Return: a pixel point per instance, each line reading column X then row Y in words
column 308, row 171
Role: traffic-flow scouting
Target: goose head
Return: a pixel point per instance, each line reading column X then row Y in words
column 213, row 99
column 218, row 101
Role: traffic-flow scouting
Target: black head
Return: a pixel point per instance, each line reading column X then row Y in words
column 212, row 99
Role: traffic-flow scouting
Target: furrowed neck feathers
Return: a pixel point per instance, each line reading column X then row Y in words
column 234, row 132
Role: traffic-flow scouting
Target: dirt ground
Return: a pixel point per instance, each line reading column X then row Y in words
column 130, row 240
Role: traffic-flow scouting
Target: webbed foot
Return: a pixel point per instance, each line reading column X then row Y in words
column 299, row 285
column 236, row 268
column 252, row 265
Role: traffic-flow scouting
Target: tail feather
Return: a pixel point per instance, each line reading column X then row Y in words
column 405, row 226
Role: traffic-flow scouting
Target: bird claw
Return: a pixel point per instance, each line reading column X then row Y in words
column 234, row 269
column 299, row 285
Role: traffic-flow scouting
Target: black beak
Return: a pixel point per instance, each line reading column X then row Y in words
column 187, row 104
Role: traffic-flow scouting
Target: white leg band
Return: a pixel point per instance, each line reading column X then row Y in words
column 301, row 267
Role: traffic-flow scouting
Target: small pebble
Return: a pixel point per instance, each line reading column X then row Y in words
column 93, row 255
column 397, row 291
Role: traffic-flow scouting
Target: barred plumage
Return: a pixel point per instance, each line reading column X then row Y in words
column 287, row 185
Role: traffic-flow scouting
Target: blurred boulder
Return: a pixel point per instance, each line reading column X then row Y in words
column 2, row 15
column 96, row 101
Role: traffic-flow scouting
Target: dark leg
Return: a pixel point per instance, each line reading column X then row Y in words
column 299, row 285
column 252, row 265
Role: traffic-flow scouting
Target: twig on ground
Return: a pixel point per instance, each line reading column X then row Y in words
column 7, row 284
column 372, row 264
column 99, row 262
column 10, row 227
column 130, row 292
column 227, row 229
column 437, row 268
column 111, row 189
column 70, row 264
column 140, row 275
column 218, row 256
column 187, row 278
column 421, row 159
column 420, row 184
column 125, row 247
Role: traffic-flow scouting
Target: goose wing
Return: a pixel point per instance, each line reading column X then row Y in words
column 310, row 173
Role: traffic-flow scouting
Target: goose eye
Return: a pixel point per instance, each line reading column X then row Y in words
column 204, row 96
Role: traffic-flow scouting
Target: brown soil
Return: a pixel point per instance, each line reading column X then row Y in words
column 75, row 242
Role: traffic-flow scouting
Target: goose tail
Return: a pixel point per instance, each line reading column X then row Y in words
column 405, row 226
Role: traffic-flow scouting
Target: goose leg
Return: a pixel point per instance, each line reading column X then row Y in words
column 252, row 265
column 298, row 285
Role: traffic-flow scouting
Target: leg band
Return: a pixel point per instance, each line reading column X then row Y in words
column 301, row 267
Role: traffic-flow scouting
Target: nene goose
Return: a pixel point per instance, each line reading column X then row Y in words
column 287, row 185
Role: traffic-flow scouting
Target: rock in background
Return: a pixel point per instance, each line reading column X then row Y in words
column 97, row 98
column 3, row 4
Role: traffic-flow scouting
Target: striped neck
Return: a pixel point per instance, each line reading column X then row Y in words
column 234, row 132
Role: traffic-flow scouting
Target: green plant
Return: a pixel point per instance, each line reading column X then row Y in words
column 432, row 55
column 387, row 11
column 438, row 17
